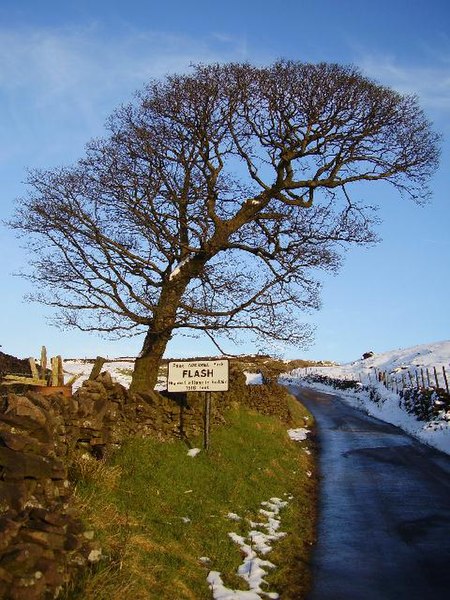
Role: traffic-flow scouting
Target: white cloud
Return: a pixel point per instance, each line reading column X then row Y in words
column 431, row 83
column 62, row 59
column 60, row 84
column 85, row 67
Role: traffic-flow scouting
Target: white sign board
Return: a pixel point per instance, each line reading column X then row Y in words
column 198, row 376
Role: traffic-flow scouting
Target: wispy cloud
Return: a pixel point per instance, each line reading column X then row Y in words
column 58, row 62
column 71, row 79
column 431, row 83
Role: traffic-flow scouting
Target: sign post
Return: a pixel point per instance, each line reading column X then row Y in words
column 199, row 376
column 207, row 420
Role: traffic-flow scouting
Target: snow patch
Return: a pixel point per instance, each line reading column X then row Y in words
column 299, row 434
column 193, row 452
column 178, row 268
column 256, row 544
column 253, row 378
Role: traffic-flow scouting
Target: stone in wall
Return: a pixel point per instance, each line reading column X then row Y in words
column 42, row 541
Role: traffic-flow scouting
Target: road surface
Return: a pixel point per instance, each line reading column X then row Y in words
column 384, row 509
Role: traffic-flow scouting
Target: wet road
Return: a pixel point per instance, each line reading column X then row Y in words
column 384, row 517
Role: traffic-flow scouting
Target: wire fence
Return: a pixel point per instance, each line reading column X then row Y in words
column 421, row 378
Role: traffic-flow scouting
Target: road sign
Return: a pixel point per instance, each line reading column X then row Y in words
column 198, row 376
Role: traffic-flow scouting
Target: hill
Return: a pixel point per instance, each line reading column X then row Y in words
column 422, row 356
column 11, row 364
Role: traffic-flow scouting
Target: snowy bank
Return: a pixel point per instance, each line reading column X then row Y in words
column 371, row 395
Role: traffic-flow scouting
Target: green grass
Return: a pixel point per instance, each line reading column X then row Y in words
column 138, row 502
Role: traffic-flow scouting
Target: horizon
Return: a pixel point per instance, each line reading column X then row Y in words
column 429, row 348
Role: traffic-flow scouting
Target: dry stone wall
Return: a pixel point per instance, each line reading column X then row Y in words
column 42, row 541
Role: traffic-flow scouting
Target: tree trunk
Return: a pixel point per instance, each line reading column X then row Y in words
column 145, row 374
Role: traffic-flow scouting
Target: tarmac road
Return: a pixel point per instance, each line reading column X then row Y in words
column 384, row 509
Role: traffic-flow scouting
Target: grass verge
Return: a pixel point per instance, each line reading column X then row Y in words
column 158, row 511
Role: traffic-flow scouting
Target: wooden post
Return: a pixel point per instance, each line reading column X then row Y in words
column 410, row 379
column 428, row 378
column 423, row 379
column 43, row 362
column 34, row 369
column 445, row 378
column 99, row 362
column 403, row 382
column 54, row 363
column 417, row 380
column 436, row 377
column 60, row 370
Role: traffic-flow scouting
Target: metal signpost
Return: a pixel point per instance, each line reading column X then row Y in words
column 199, row 376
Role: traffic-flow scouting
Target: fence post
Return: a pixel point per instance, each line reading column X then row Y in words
column 98, row 364
column 54, row 365
column 43, row 362
column 34, row 369
column 445, row 378
column 436, row 377
column 410, row 379
column 423, row 379
column 59, row 362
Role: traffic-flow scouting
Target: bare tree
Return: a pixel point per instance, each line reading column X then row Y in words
column 215, row 198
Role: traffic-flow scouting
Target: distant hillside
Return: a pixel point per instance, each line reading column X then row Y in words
column 11, row 364
column 424, row 355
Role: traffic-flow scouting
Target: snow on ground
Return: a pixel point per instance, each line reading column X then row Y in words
column 193, row 452
column 435, row 433
column 299, row 434
column 120, row 370
column 253, row 547
column 253, row 378
column 423, row 356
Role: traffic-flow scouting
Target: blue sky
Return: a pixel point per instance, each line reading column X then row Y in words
column 64, row 66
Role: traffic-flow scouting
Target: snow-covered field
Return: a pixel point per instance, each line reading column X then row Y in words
column 119, row 370
column 435, row 433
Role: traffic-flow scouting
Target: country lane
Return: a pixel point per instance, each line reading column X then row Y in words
column 384, row 509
